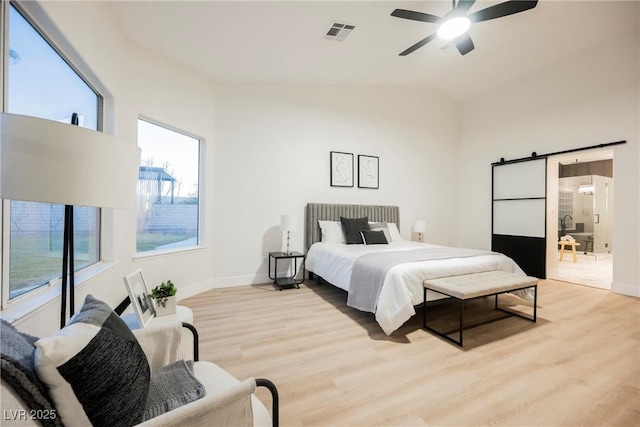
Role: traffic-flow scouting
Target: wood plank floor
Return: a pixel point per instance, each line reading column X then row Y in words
column 579, row 365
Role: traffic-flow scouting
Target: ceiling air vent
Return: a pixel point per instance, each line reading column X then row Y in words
column 339, row 32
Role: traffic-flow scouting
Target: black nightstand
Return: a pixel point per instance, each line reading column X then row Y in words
column 286, row 281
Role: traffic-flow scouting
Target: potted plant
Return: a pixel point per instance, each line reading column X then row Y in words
column 165, row 297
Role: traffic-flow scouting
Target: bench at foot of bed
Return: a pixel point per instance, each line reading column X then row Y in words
column 477, row 285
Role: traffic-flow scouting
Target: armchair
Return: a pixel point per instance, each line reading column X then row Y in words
column 26, row 400
column 225, row 402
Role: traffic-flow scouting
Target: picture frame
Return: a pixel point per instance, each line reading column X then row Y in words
column 341, row 169
column 368, row 171
column 140, row 297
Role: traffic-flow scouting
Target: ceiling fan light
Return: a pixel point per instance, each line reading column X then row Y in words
column 454, row 27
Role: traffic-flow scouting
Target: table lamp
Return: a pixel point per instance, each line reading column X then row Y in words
column 288, row 223
column 419, row 226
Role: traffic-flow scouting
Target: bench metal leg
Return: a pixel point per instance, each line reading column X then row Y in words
column 522, row 316
column 459, row 342
column 461, row 321
column 424, row 309
column 441, row 334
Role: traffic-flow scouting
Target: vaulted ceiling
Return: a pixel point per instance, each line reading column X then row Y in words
column 283, row 41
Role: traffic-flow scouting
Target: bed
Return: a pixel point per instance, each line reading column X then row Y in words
column 393, row 291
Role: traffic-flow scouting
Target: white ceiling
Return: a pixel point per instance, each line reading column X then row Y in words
column 283, row 42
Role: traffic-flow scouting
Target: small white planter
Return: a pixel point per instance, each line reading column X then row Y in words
column 168, row 309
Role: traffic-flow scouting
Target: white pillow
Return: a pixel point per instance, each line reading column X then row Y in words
column 395, row 233
column 331, row 232
column 390, row 230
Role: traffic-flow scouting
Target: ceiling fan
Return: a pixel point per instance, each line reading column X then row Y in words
column 454, row 24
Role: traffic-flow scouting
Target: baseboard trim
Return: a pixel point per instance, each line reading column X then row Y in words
column 626, row 289
column 221, row 282
column 552, row 273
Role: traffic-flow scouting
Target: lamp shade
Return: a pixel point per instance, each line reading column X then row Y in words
column 46, row 161
column 288, row 222
column 419, row 226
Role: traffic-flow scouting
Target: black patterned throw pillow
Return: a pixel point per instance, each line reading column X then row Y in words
column 95, row 370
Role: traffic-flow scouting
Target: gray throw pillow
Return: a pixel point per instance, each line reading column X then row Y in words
column 374, row 238
column 18, row 372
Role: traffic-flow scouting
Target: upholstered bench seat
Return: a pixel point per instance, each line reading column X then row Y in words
column 469, row 286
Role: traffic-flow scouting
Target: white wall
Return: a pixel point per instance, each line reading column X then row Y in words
column 267, row 151
column 272, row 145
column 588, row 99
column 135, row 82
column 266, row 154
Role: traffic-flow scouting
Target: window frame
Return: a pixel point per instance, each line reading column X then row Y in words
column 200, row 210
column 50, row 290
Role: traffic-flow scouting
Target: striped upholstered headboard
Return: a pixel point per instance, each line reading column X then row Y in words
column 332, row 212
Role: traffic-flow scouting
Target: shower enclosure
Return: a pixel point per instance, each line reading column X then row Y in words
column 585, row 211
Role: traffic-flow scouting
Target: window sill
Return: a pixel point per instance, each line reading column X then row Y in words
column 24, row 306
column 165, row 253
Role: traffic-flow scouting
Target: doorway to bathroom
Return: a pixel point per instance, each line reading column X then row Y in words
column 583, row 218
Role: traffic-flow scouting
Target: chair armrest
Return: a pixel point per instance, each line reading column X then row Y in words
column 196, row 340
column 275, row 403
column 231, row 406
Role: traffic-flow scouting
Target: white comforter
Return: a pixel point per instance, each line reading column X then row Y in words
column 402, row 288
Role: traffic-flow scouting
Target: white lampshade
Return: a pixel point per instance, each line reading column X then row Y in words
column 288, row 222
column 46, row 161
column 419, row 226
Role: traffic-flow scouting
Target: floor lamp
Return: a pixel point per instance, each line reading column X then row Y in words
column 51, row 162
column 68, row 259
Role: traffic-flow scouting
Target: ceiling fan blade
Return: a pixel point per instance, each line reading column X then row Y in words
column 415, row 16
column 464, row 5
column 502, row 9
column 419, row 44
column 464, row 44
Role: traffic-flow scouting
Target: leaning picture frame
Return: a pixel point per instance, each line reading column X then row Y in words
column 140, row 297
column 368, row 171
column 341, row 169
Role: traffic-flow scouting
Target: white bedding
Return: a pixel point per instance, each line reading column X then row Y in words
column 402, row 288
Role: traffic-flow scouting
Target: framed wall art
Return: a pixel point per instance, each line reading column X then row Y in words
column 341, row 169
column 140, row 297
column 368, row 171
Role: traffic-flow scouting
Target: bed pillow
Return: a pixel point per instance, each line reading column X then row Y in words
column 390, row 230
column 352, row 228
column 381, row 226
column 374, row 237
column 95, row 369
column 395, row 233
column 331, row 232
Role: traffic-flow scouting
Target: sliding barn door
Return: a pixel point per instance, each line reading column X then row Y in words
column 519, row 220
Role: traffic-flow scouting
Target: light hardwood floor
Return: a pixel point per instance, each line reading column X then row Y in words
column 579, row 365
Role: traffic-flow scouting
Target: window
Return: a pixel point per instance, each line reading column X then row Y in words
column 41, row 83
column 36, row 243
column 168, row 197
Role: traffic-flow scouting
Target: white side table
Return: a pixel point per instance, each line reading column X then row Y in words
column 183, row 314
